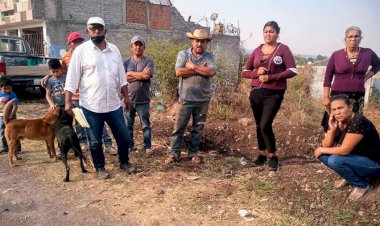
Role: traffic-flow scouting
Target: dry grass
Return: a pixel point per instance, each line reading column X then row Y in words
column 164, row 195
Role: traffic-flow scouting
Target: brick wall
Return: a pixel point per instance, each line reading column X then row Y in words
column 136, row 12
column 160, row 17
column 164, row 23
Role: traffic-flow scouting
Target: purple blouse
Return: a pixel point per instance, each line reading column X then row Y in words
column 280, row 65
column 349, row 77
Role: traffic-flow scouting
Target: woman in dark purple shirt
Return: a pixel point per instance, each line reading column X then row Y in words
column 268, row 67
column 348, row 68
column 351, row 147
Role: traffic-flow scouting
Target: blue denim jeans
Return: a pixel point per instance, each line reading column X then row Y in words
column 354, row 168
column 4, row 144
column 144, row 114
column 81, row 132
column 106, row 137
column 185, row 110
column 115, row 120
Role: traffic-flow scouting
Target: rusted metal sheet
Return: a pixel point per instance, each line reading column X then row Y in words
column 28, row 70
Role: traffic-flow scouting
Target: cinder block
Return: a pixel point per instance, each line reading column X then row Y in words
column 2, row 6
column 19, row 7
column 12, row 18
column 29, row 14
column 20, row 16
column 26, row 5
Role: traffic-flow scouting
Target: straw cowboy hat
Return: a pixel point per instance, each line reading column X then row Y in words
column 198, row 34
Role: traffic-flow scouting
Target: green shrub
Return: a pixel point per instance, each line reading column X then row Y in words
column 374, row 97
column 299, row 105
column 164, row 54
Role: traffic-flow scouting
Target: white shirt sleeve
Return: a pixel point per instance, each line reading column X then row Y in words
column 74, row 72
column 122, row 75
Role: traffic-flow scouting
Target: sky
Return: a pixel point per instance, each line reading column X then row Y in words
column 307, row 26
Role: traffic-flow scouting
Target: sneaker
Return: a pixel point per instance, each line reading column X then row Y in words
column 260, row 160
column 357, row 193
column 196, row 160
column 171, row 159
column 340, row 184
column 273, row 163
column 126, row 167
column 148, row 151
column 111, row 150
column 84, row 147
column 102, row 174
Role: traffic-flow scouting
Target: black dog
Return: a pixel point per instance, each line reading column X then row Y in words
column 67, row 139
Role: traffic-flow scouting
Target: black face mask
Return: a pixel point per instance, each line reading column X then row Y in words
column 97, row 39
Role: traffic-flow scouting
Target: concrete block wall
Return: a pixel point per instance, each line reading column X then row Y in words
column 79, row 11
column 228, row 47
column 318, row 78
column 124, row 19
column 38, row 7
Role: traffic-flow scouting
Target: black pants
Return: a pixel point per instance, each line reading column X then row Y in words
column 265, row 104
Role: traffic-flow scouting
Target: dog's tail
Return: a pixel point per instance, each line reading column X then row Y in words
column 6, row 109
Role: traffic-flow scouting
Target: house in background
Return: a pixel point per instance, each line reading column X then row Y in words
column 16, row 19
column 45, row 24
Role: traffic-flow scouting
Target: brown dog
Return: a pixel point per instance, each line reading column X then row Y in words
column 33, row 129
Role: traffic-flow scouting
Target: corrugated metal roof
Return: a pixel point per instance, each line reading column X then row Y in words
column 161, row 2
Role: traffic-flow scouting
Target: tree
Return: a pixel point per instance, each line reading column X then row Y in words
column 320, row 57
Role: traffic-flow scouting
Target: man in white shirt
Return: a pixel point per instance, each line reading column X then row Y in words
column 97, row 68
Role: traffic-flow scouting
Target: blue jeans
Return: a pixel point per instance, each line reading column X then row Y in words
column 4, row 145
column 185, row 110
column 106, row 138
column 81, row 132
column 143, row 111
column 115, row 120
column 354, row 168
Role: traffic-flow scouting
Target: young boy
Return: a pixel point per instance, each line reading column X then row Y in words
column 55, row 94
column 6, row 95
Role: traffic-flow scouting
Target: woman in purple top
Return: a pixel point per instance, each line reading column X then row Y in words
column 348, row 68
column 269, row 66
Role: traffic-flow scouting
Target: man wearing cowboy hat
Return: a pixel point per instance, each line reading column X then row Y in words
column 194, row 67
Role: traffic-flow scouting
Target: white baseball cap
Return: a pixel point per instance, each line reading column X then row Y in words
column 96, row 20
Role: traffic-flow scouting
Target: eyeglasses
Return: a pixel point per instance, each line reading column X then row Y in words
column 201, row 40
column 93, row 28
column 354, row 37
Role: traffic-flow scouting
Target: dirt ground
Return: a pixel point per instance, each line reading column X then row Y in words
column 300, row 193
